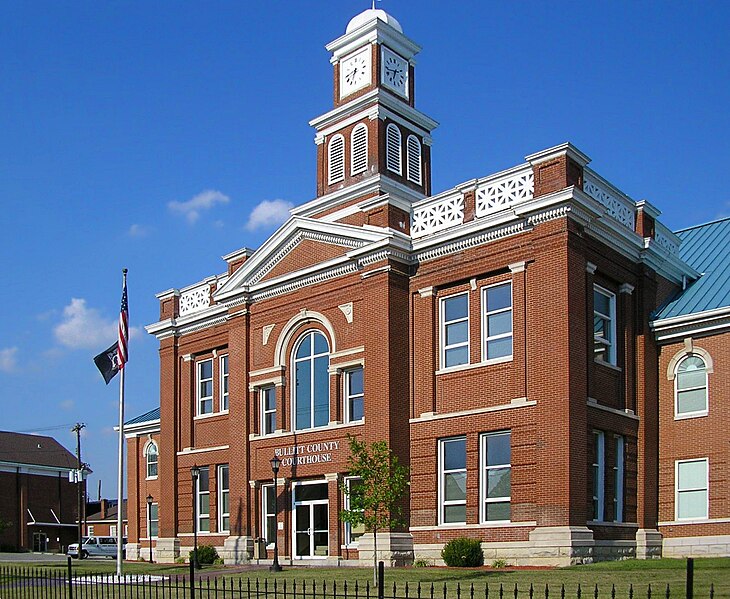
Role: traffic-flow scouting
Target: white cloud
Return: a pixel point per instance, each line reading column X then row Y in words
column 138, row 231
column 8, row 359
column 268, row 213
column 192, row 208
column 67, row 404
column 84, row 328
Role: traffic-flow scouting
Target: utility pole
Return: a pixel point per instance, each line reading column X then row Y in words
column 79, row 478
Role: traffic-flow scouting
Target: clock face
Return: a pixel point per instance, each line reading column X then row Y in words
column 355, row 72
column 395, row 72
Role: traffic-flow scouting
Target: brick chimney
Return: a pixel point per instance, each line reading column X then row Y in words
column 556, row 168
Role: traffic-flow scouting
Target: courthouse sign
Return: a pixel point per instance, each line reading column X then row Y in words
column 319, row 452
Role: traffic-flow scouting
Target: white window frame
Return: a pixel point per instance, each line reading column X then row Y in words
column 223, row 492
column 442, row 472
column 394, row 149
column 618, row 478
column 264, row 411
column 346, row 393
column 150, row 520
column 359, row 150
column 442, row 331
column 414, row 161
column 484, row 469
column 312, row 398
column 681, row 415
column 485, row 319
column 336, row 159
column 201, row 399
column 599, row 476
column 265, row 514
column 611, row 319
column 705, row 488
column 199, row 494
column 348, row 527
column 89, row 530
column 156, row 463
column 113, row 530
column 224, row 391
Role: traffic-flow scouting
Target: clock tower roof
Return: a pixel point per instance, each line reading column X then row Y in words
column 372, row 14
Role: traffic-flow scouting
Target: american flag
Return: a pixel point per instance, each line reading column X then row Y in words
column 123, row 327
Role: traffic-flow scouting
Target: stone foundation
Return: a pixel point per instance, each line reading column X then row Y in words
column 717, row 546
column 236, row 550
column 394, row 548
column 167, row 550
column 132, row 551
column 648, row 543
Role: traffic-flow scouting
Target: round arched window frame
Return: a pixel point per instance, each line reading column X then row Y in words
column 310, row 395
column 152, row 456
column 690, row 387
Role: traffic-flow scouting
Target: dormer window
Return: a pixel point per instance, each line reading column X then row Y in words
column 393, row 157
column 413, row 147
column 359, row 149
column 336, row 160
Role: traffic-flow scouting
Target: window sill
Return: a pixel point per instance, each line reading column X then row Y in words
column 211, row 415
column 483, row 525
column 482, row 364
column 328, row 427
column 608, row 365
column 614, row 524
column 690, row 415
column 695, row 521
column 151, row 478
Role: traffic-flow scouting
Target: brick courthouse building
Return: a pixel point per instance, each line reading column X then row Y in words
column 497, row 335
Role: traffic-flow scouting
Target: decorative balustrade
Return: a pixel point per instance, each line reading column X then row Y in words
column 666, row 239
column 438, row 214
column 617, row 205
column 194, row 299
column 504, row 191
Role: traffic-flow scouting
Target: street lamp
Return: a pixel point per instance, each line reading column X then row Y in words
column 195, row 473
column 275, row 464
column 149, row 522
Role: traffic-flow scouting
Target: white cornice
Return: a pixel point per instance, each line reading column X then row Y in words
column 141, row 428
column 371, row 32
column 706, row 322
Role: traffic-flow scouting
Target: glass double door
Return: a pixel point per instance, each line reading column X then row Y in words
column 311, row 520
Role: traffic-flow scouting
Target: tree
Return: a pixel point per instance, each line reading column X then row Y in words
column 374, row 501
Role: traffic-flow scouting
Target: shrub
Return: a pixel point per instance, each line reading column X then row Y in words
column 499, row 563
column 421, row 562
column 463, row 553
column 181, row 560
column 206, row 554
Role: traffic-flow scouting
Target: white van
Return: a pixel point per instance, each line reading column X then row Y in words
column 96, row 546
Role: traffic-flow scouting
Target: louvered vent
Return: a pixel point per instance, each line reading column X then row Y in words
column 359, row 149
column 336, row 160
column 414, row 159
column 392, row 149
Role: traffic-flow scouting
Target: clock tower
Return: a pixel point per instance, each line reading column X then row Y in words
column 373, row 146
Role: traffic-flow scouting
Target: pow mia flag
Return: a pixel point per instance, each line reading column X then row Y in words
column 108, row 362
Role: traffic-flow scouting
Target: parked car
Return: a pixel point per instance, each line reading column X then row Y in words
column 96, row 546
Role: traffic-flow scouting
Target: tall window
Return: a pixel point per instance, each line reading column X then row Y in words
column 268, row 513
column 152, row 458
column 336, row 159
column 691, row 489
column 224, row 382
column 359, row 149
column 455, row 330
column 205, row 387
column 393, row 157
column 153, row 521
column 352, row 533
column 496, row 481
column 598, row 472
column 224, row 506
column 497, row 326
column 354, row 394
column 452, row 481
column 311, row 381
column 690, row 387
column 413, row 147
column 604, row 325
column 203, row 500
column 618, row 480
column 267, row 397
column 90, row 530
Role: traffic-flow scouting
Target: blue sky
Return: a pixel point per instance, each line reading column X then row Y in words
column 146, row 135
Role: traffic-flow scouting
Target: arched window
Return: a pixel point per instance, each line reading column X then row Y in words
column 393, row 149
column 152, row 457
column 413, row 147
column 336, row 160
column 359, row 149
column 311, row 391
column 690, row 387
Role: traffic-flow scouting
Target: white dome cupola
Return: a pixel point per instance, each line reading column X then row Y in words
column 372, row 14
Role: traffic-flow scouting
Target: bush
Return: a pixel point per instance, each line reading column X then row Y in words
column 463, row 553
column 499, row 563
column 422, row 562
column 206, row 554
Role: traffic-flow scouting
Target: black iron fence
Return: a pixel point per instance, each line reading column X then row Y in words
column 34, row 583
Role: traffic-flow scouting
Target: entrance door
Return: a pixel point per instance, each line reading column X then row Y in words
column 311, row 520
column 40, row 542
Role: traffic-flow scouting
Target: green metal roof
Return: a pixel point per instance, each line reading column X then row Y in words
column 146, row 417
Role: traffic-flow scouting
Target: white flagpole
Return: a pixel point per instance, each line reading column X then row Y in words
column 120, row 482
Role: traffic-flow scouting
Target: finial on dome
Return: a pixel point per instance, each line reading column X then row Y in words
column 370, row 15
